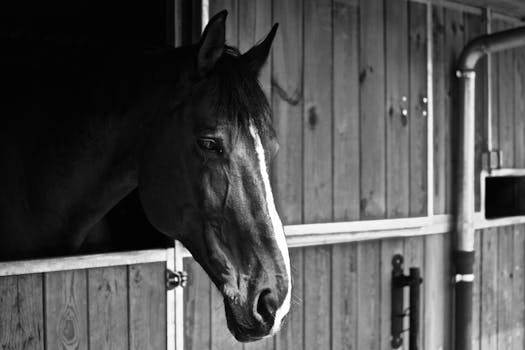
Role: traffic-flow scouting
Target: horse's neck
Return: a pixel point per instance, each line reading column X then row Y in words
column 78, row 169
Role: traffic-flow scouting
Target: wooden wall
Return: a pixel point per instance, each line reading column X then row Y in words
column 121, row 307
column 341, row 74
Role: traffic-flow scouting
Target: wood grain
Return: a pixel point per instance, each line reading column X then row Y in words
column 318, row 180
column 66, row 317
column 489, row 289
column 505, row 78
column 438, row 86
column 21, row 312
column 504, row 281
column 344, row 296
column 454, row 41
column 369, row 295
column 519, row 108
column 346, row 110
column 197, row 314
column 398, row 119
column 317, row 307
column 147, row 306
column 417, row 46
column 372, row 99
column 108, row 308
column 518, row 287
column 287, row 102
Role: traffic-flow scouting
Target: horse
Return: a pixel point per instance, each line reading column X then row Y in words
column 189, row 128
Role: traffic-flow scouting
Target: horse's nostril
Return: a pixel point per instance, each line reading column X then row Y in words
column 266, row 307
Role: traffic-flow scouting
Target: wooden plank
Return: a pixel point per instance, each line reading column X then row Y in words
column 454, row 42
column 232, row 23
column 346, row 110
column 197, row 313
column 147, row 306
column 372, row 99
column 108, row 308
column 317, row 137
column 287, row 102
column 476, row 298
column 504, row 295
column 346, row 171
column 438, row 61
column 344, row 296
column 496, row 26
column 291, row 335
column 66, row 317
column 317, row 292
column 21, row 312
column 318, row 180
column 414, row 248
column 417, row 34
column 518, row 288
column 397, row 118
column 397, row 145
column 78, row 262
column 505, row 78
column 368, row 296
column 489, row 289
column 519, row 108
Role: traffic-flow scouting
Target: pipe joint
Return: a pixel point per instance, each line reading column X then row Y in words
column 467, row 73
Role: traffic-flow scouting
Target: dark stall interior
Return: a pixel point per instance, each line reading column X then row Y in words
column 103, row 25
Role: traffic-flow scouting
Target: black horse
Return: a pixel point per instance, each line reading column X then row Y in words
column 190, row 128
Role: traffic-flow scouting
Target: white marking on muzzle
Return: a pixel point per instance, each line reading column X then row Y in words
column 277, row 228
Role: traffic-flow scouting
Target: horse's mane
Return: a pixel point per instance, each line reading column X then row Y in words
column 236, row 91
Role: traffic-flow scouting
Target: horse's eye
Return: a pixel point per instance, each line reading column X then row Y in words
column 209, row 145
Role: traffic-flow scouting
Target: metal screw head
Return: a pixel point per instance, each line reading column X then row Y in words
column 404, row 98
column 425, row 100
column 424, row 113
column 404, row 111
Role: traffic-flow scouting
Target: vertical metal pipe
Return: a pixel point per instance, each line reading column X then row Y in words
column 464, row 240
column 465, row 211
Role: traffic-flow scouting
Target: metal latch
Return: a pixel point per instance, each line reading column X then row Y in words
column 176, row 279
column 400, row 281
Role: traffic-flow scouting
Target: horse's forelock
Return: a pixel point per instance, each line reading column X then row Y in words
column 235, row 93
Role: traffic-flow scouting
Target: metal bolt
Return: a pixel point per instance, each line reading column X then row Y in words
column 404, row 111
column 424, row 113
column 425, row 100
column 404, row 98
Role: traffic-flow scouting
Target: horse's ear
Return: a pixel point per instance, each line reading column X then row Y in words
column 257, row 55
column 211, row 45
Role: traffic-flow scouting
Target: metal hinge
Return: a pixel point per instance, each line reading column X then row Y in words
column 491, row 159
column 176, row 279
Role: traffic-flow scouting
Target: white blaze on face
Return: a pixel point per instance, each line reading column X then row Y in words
column 277, row 228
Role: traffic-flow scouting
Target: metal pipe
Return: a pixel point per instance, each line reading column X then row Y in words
column 464, row 242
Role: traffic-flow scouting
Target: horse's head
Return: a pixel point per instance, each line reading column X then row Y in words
column 204, row 180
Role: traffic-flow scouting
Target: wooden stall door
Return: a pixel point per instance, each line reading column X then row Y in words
column 121, row 307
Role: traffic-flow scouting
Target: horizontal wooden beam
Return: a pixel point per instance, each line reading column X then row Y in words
column 22, row 267
column 297, row 236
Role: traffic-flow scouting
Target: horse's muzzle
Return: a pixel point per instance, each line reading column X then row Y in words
column 252, row 322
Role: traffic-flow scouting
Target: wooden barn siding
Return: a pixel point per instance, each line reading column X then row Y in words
column 339, row 71
column 114, row 308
